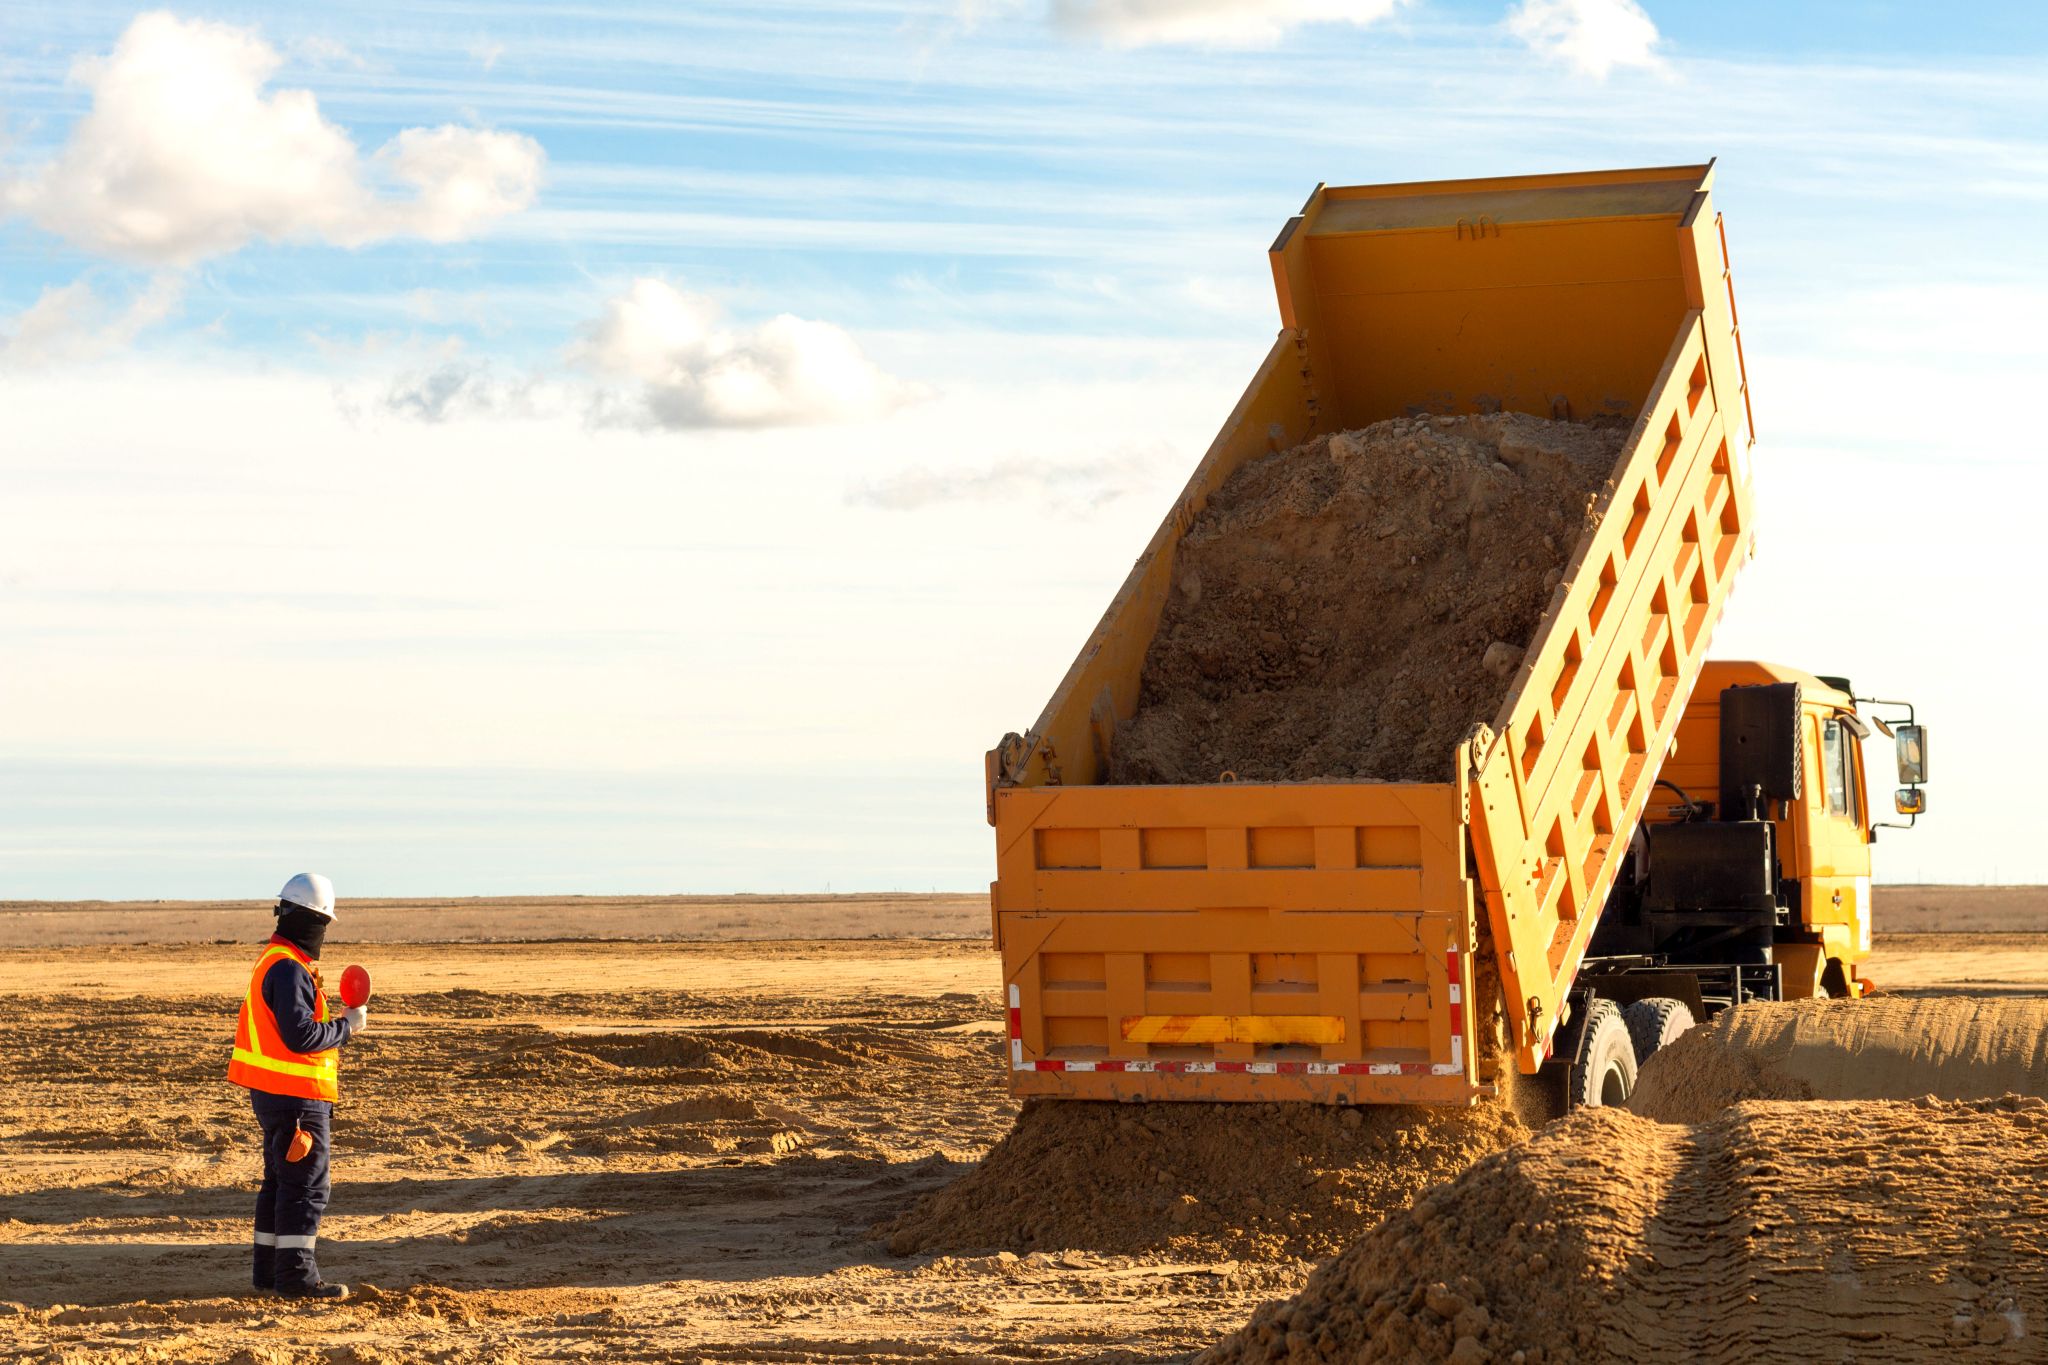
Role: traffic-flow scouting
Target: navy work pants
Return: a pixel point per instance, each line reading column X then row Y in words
column 294, row 1193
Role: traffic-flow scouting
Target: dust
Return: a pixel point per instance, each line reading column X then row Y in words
column 1264, row 1181
column 1849, row 1050
column 1787, row 1231
column 1349, row 608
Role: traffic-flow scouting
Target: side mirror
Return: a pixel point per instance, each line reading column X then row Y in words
column 1910, row 801
column 1911, row 741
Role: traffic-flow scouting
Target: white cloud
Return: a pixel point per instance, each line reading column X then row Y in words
column 691, row 371
column 184, row 155
column 1220, row 23
column 73, row 322
column 460, row 177
column 458, row 388
column 1067, row 485
column 1592, row 36
column 323, row 51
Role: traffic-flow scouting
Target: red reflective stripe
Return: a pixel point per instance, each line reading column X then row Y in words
column 1457, row 1006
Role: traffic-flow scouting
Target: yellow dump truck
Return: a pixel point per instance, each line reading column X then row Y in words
column 1637, row 838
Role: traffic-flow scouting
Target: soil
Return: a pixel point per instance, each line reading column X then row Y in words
column 679, row 1151
column 1901, row 1231
column 514, row 919
column 1849, row 1050
column 1350, row 608
column 1932, row 910
column 1920, row 909
column 1260, row 1181
column 644, row 1151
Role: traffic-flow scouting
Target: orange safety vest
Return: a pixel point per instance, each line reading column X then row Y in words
column 261, row 1060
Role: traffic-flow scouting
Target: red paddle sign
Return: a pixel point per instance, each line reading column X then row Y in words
column 355, row 986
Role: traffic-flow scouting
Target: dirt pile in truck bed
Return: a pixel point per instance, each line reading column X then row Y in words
column 1267, row 1181
column 1952, row 1049
column 1821, row 1231
column 1350, row 607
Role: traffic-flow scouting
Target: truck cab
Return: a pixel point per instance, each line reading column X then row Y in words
column 1756, row 856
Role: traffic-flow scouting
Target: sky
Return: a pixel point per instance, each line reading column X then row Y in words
column 494, row 448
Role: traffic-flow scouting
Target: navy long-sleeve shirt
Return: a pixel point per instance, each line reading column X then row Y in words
column 288, row 990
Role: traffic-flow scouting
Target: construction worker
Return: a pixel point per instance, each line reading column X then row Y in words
column 286, row 1045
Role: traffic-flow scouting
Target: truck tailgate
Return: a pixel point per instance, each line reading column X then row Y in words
column 1237, row 941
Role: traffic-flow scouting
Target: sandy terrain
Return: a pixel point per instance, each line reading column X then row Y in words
column 643, row 1152
column 1910, row 909
column 634, row 1150
column 1894, row 1230
column 51, row 924
column 1952, row 1048
column 485, row 919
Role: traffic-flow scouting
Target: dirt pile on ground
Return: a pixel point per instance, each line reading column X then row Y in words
column 1351, row 607
column 1952, row 1049
column 1268, row 1181
column 1882, row 1230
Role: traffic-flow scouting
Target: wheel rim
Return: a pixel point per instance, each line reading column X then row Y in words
column 1614, row 1085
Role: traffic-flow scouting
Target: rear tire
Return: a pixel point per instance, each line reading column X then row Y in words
column 1605, row 1073
column 1655, row 1023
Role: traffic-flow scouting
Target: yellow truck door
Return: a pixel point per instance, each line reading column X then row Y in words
column 1836, row 897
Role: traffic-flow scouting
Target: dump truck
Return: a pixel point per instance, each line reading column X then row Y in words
column 1637, row 838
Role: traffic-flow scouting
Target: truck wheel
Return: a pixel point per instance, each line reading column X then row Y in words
column 1605, row 1073
column 1654, row 1023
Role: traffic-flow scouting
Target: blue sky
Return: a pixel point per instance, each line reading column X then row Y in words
column 659, row 447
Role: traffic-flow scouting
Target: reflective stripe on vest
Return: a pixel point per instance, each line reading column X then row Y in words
column 260, row 1060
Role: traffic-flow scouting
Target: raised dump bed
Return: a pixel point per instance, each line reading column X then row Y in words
column 1321, row 940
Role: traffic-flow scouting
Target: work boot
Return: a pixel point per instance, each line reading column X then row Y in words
column 323, row 1290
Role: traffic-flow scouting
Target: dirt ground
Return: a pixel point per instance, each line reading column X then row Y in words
column 1908, row 909
column 486, row 919
column 526, row 919
column 633, row 1150
column 1949, row 1048
column 1893, row 1230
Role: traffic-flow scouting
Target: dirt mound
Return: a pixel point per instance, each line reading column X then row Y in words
column 1351, row 607
column 680, row 1054
column 1257, row 1180
column 825, row 1048
column 716, row 1122
column 1779, row 1231
column 1953, row 1049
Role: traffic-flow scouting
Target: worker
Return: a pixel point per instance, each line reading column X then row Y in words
column 286, row 1043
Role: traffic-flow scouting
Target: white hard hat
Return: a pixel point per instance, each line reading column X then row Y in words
column 310, row 891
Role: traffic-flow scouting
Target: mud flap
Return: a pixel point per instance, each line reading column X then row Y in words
column 1554, row 1080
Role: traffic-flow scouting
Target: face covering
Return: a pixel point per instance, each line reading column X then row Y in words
column 304, row 928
